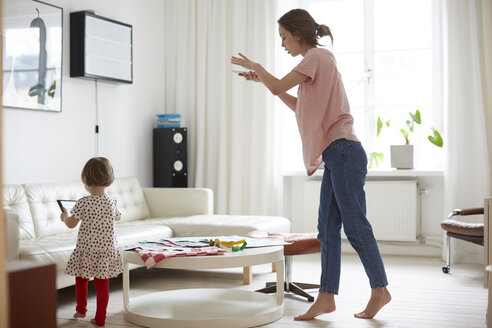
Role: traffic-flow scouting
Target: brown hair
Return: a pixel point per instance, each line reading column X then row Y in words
column 97, row 172
column 300, row 23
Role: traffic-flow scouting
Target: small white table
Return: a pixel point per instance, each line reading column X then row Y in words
column 213, row 307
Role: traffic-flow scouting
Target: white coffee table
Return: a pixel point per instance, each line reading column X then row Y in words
column 207, row 307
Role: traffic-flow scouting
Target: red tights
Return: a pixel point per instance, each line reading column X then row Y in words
column 102, row 296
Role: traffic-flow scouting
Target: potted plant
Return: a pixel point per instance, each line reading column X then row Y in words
column 402, row 155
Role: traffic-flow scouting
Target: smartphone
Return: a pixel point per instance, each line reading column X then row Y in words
column 239, row 72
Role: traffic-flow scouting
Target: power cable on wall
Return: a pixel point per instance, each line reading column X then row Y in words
column 97, row 120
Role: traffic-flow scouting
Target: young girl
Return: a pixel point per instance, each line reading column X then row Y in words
column 325, row 125
column 96, row 254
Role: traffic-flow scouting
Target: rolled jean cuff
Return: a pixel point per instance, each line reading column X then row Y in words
column 328, row 291
column 379, row 286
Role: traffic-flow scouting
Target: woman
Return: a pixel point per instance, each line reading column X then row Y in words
column 325, row 125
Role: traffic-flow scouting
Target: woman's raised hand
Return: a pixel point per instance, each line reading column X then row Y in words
column 248, row 64
column 243, row 61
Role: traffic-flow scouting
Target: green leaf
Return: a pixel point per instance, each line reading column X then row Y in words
column 436, row 139
column 405, row 135
column 416, row 117
column 36, row 90
column 410, row 125
column 51, row 91
column 388, row 123
column 379, row 126
column 369, row 75
column 375, row 158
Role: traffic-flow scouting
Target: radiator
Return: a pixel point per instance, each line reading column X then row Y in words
column 392, row 209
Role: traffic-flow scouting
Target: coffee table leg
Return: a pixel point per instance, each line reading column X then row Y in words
column 126, row 285
column 279, row 295
column 247, row 275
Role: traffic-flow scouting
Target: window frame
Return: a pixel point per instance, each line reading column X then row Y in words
column 370, row 116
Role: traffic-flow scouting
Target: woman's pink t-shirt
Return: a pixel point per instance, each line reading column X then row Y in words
column 322, row 109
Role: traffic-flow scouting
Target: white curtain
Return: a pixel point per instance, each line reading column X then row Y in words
column 232, row 124
column 467, row 101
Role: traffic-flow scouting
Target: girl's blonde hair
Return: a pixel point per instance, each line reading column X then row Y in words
column 300, row 23
column 97, row 172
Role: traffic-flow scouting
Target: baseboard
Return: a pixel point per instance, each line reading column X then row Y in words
column 428, row 247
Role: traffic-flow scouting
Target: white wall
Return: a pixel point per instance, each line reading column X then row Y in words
column 53, row 147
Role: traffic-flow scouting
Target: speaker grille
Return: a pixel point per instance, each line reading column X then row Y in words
column 170, row 157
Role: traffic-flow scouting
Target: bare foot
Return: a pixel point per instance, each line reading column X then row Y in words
column 325, row 303
column 78, row 315
column 379, row 298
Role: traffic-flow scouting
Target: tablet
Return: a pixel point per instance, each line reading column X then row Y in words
column 67, row 204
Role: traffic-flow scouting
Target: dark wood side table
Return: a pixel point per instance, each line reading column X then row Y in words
column 32, row 294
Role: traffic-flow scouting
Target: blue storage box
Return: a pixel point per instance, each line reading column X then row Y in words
column 168, row 120
column 168, row 117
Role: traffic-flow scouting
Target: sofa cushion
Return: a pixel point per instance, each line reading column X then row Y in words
column 46, row 213
column 131, row 232
column 12, row 232
column 44, row 208
column 131, row 201
column 49, row 249
column 209, row 225
column 57, row 248
column 15, row 199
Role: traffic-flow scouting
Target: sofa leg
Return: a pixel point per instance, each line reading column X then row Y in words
column 247, row 275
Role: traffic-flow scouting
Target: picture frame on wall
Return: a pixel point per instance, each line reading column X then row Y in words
column 32, row 55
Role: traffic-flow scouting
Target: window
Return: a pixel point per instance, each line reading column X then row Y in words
column 389, row 55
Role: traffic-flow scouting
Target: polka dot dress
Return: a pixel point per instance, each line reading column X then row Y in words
column 96, row 254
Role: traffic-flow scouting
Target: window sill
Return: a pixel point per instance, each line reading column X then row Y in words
column 381, row 173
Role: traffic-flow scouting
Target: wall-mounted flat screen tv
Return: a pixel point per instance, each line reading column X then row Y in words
column 100, row 48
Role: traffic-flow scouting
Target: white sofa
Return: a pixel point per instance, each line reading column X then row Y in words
column 35, row 232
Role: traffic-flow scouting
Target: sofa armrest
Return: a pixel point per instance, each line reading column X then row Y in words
column 12, row 227
column 176, row 202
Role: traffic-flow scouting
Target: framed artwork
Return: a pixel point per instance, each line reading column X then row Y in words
column 32, row 55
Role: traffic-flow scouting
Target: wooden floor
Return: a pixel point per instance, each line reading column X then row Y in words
column 422, row 295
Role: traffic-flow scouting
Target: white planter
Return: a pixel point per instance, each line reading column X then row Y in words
column 402, row 156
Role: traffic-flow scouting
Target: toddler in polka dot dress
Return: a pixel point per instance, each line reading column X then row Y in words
column 96, row 254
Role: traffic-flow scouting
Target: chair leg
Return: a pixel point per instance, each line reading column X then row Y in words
column 447, row 267
column 299, row 291
column 304, row 285
column 270, row 288
column 293, row 287
column 288, row 270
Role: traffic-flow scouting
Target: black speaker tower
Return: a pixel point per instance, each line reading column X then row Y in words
column 170, row 157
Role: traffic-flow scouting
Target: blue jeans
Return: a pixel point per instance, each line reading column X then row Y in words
column 343, row 201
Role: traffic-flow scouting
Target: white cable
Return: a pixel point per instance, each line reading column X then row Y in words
column 97, row 120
